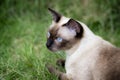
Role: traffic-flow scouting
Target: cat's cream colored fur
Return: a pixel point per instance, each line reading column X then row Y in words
column 91, row 58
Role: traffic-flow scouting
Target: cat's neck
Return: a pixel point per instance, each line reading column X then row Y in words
column 73, row 49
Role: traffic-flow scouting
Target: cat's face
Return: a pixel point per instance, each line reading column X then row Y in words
column 63, row 33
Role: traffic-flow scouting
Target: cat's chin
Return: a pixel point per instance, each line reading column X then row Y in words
column 53, row 49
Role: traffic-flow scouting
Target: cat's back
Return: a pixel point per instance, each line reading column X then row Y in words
column 107, row 66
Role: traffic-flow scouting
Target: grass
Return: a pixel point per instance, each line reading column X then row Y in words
column 23, row 51
column 23, row 29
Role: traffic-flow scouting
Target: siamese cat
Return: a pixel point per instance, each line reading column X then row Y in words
column 88, row 56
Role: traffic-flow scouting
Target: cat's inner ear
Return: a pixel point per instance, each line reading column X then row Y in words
column 74, row 26
column 56, row 15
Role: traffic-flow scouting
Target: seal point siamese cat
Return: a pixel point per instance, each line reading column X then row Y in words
column 88, row 56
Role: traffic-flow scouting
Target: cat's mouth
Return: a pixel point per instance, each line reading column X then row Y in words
column 53, row 49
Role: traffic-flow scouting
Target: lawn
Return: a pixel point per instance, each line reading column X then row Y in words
column 23, row 28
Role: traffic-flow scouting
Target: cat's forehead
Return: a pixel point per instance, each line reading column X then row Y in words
column 53, row 31
column 63, row 32
column 57, row 29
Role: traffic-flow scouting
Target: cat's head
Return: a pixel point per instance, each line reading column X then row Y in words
column 63, row 33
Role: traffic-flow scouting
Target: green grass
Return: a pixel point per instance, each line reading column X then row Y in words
column 23, row 52
column 23, row 28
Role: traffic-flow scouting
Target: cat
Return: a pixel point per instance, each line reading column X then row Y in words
column 88, row 56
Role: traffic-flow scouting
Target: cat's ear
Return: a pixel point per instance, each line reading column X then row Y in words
column 56, row 15
column 75, row 26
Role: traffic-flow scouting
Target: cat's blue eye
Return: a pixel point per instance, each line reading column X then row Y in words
column 48, row 34
column 59, row 39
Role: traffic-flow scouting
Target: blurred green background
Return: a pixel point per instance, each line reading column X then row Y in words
column 23, row 28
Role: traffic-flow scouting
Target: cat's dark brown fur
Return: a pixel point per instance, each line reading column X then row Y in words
column 89, row 57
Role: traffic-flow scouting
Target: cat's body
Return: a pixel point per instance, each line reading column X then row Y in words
column 92, row 58
column 89, row 57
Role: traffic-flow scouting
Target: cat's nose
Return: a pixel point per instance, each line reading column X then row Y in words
column 49, row 43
